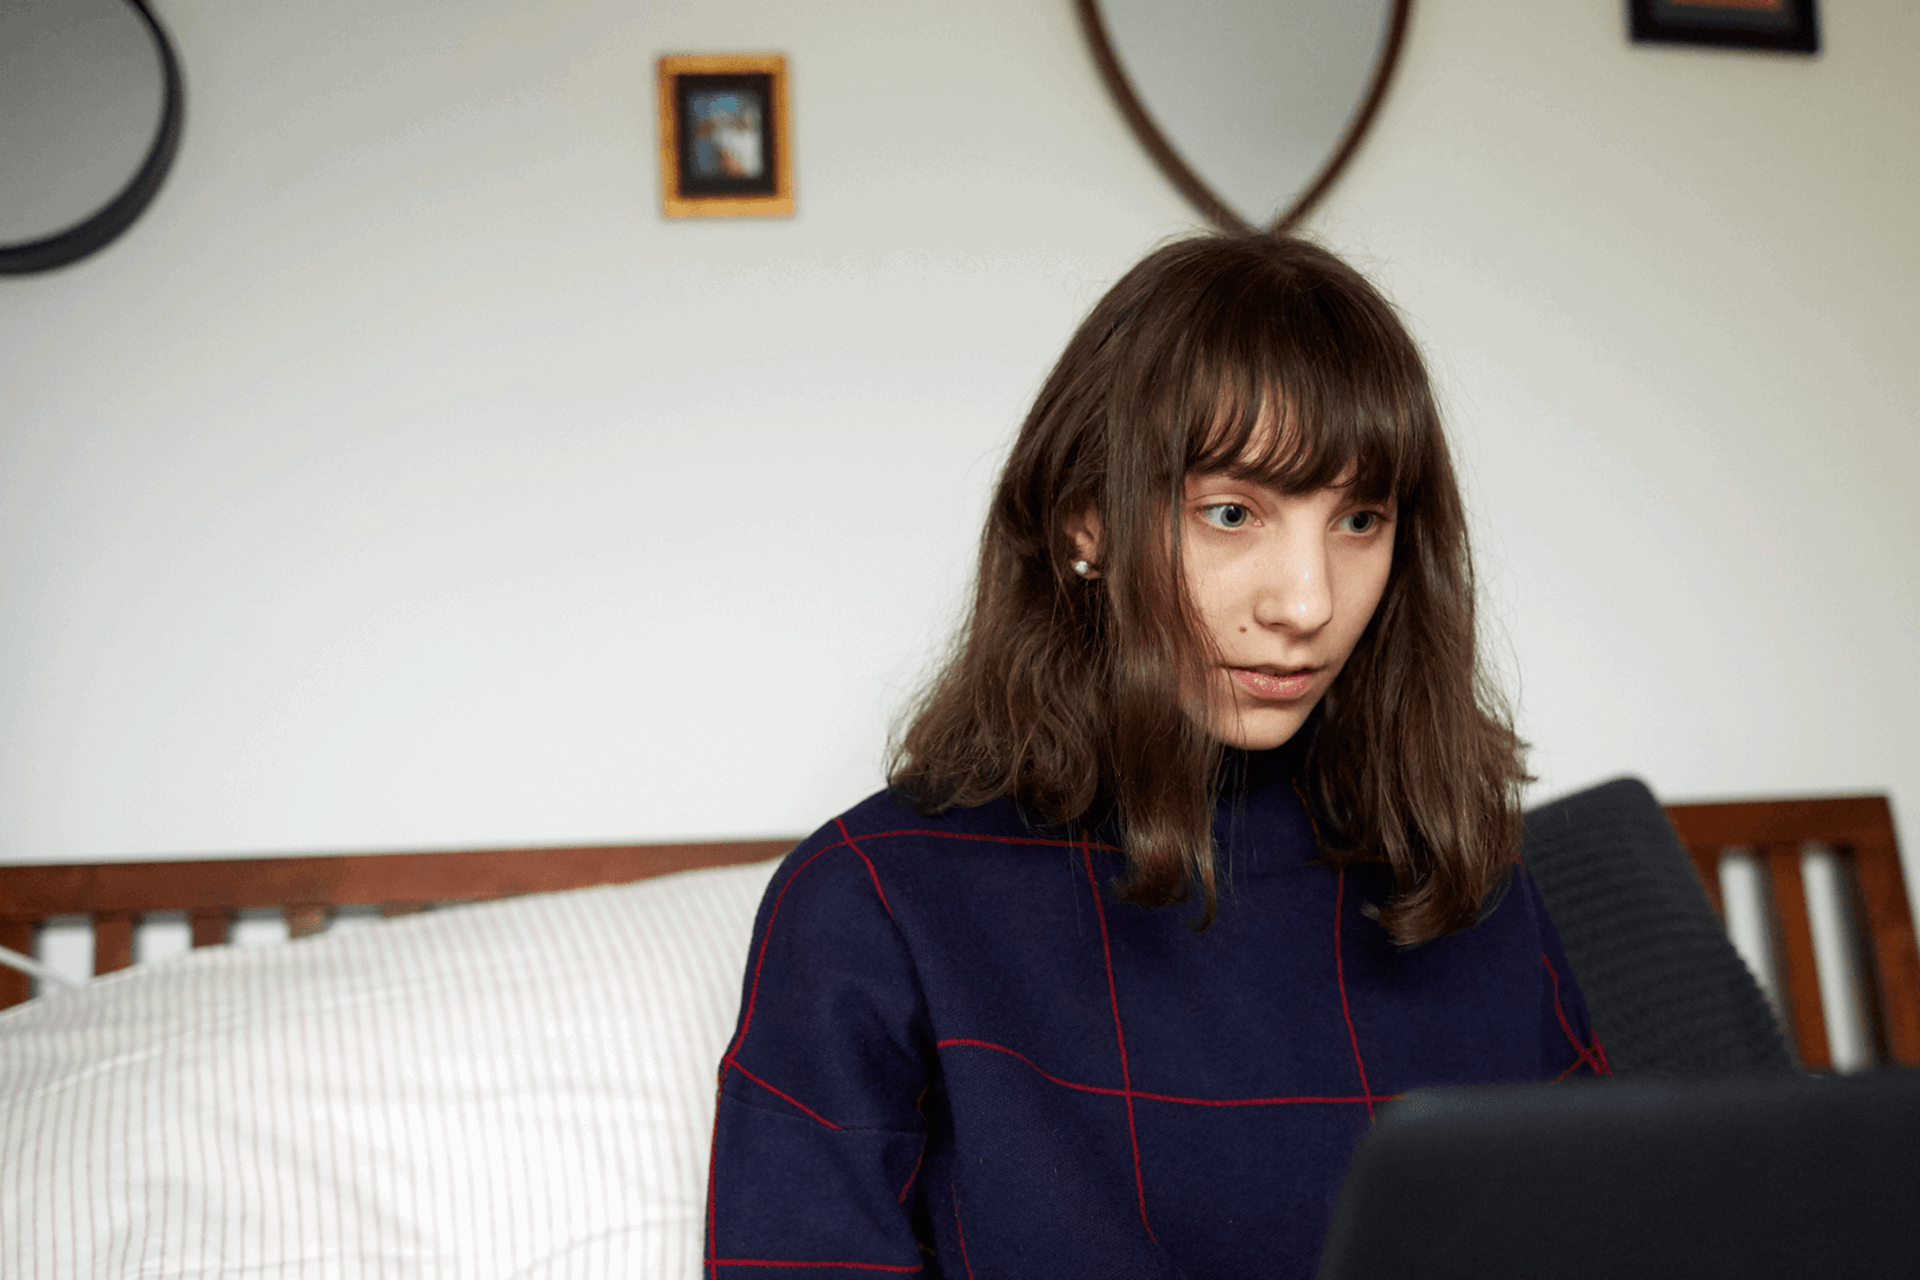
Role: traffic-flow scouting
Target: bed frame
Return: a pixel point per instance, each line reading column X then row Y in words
column 1858, row 829
column 114, row 895
column 1859, row 832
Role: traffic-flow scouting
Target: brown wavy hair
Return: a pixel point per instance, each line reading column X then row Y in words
column 1066, row 693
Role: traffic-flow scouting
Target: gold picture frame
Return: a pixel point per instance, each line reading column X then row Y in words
column 725, row 144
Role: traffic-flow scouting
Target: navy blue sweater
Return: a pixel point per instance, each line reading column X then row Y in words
column 960, row 1054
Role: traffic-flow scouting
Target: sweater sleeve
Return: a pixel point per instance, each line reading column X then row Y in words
column 818, row 1133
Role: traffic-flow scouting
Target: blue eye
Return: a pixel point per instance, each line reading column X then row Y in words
column 1226, row 515
column 1360, row 521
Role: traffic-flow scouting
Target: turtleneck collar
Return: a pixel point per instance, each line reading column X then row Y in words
column 1243, row 772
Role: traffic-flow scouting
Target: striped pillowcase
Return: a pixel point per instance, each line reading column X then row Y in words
column 520, row 1088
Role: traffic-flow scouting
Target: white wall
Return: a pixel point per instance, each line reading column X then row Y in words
column 404, row 480
column 1675, row 298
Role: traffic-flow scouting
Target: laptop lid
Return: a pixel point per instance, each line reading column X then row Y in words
column 1781, row 1176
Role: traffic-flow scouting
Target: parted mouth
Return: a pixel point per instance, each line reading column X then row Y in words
column 1275, row 683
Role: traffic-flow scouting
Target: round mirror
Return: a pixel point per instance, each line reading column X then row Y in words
column 90, row 105
column 1251, row 107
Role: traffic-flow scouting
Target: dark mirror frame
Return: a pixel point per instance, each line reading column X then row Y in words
column 99, row 229
column 1184, row 178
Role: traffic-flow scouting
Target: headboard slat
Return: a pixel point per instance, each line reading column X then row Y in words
column 1795, row 929
column 112, row 941
column 306, row 919
column 209, row 926
column 15, row 986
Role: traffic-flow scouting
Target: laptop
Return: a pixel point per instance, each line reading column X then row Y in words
column 1764, row 1177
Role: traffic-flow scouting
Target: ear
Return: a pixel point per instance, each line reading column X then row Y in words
column 1083, row 530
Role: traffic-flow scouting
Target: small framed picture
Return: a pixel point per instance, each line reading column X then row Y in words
column 724, row 149
column 1790, row 26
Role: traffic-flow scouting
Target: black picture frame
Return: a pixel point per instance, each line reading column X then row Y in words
column 1782, row 26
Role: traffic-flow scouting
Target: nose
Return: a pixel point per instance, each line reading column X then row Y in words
column 1295, row 592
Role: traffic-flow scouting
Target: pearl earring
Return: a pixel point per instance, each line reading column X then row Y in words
column 1082, row 568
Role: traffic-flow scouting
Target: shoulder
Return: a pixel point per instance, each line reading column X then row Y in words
column 883, row 850
column 886, row 825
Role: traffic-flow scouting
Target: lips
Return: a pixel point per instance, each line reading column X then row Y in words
column 1275, row 684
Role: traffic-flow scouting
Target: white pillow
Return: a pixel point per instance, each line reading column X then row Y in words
column 517, row 1089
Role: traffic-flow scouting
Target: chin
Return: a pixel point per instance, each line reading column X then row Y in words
column 1261, row 730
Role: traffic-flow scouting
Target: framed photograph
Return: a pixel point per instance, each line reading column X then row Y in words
column 1790, row 26
column 724, row 150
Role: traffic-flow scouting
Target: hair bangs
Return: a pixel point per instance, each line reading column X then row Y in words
column 1302, row 406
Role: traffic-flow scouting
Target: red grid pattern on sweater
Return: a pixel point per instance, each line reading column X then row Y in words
column 1340, row 978
column 1158, row 1097
column 792, row 1262
column 953, row 1189
column 1592, row 1056
column 1126, row 1074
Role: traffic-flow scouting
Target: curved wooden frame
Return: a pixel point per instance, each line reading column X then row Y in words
column 101, row 228
column 1182, row 175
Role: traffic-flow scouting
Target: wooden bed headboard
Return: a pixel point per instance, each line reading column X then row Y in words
column 1858, row 830
column 212, row 892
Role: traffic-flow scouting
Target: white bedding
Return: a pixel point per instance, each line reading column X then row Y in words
column 518, row 1089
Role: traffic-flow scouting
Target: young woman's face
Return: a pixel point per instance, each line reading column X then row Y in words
column 1284, row 584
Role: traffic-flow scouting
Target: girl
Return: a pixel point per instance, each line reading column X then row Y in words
column 1201, row 847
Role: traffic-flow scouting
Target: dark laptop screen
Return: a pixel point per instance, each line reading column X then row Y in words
column 1801, row 1176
